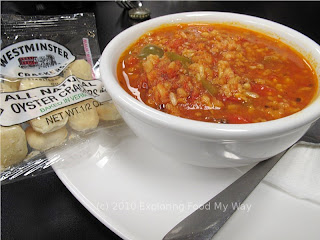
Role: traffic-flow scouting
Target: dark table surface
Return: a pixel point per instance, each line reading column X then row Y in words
column 41, row 207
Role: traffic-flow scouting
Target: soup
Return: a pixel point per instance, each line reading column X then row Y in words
column 216, row 73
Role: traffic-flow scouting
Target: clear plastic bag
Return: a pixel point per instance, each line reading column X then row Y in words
column 51, row 94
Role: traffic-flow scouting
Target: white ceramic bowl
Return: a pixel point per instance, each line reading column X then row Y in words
column 211, row 144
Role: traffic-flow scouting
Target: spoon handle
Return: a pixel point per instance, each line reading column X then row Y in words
column 206, row 221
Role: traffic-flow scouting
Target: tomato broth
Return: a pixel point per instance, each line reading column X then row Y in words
column 216, row 73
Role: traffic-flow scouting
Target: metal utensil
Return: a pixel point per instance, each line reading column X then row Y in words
column 127, row 4
column 203, row 224
column 135, row 9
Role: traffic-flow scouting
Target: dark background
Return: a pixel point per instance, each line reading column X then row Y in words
column 41, row 207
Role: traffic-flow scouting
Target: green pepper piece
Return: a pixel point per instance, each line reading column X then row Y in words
column 150, row 49
column 211, row 88
column 176, row 57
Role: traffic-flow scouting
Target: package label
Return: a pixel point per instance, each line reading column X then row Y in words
column 22, row 106
column 34, row 58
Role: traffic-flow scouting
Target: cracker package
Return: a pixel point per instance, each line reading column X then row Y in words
column 50, row 88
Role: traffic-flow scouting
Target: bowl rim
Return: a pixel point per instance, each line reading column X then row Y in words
column 210, row 130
